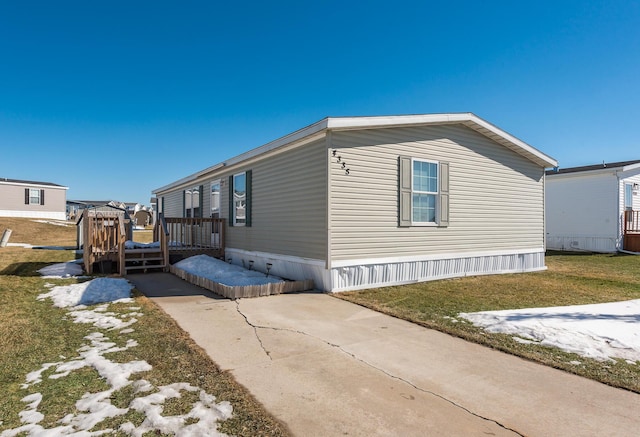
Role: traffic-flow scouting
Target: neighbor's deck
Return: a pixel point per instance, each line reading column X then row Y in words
column 631, row 232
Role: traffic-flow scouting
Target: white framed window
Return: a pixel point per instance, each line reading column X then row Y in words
column 192, row 200
column 215, row 199
column 628, row 197
column 34, row 197
column 239, row 199
column 423, row 192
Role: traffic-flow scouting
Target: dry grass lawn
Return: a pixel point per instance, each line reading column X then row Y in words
column 34, row 232
column 34, row 332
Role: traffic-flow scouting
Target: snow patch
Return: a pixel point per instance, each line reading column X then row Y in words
column 599, row 331
column 224, row 273
column 62, row 270
column 88, row 293
column 93, row 408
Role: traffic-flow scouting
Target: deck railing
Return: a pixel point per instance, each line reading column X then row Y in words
column 104, row 235
column 195, row 234
column 631, row 221
column 631, row 233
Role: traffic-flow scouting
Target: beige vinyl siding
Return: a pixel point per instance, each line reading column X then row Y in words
column 496, row 195
column 173, row 203
column 12, row 198
column 288, row 204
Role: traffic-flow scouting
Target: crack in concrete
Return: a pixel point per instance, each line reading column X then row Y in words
column 255, row 329
column 352, row 355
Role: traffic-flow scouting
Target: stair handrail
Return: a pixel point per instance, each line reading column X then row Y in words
column 164, row 239
column 86, row 242
column 122, row 237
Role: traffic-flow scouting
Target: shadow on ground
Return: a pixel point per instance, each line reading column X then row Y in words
column 167, row 285
column 24, row 269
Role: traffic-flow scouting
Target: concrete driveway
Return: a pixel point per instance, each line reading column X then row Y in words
column 327, row 367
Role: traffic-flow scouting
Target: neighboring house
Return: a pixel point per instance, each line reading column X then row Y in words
column 142, row 218
column 108, row 208
column 585, row 205
column 32, row 199
column 75, row 207
column 361, row 202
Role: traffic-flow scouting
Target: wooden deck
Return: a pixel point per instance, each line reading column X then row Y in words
column 631, row 234
column 194, row 236
column 108, row 248
column 243, row 291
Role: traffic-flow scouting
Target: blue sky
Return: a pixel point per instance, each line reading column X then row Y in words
column 114, row 99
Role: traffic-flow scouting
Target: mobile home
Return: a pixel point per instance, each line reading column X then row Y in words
column 361, row 202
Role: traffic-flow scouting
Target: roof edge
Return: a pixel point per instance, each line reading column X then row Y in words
column 371, row 122
column 346, row 123
column 622, row 166
column 5, row 181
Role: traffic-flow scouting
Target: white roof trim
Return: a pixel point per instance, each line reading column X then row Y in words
column 468, row 119
column 189, row 178
column 40, row 185
column 620, row 170
column 319, row 129
column 630, row 167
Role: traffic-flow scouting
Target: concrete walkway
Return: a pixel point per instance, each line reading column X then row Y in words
column 327, row 367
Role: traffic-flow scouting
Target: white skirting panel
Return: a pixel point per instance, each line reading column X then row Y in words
column 583, row 243
column 53, row 215
column 384, row 272
column 289, row 267
column 373, row 275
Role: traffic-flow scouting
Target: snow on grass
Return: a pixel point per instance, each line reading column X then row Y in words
column 62, row 270
column 94, row 408
column 205, row 411
column 224, row 273
column 31, row 246
column 89, row 293
column 55, row 222
column 600, row 331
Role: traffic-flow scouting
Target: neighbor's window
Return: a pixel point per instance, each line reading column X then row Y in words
column 628, row 197
column 239, row 199
column 34, row 197
column 424, row 191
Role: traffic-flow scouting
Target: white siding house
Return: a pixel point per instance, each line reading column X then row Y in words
column 585, row 205
column 32, row 199
column 361, row 202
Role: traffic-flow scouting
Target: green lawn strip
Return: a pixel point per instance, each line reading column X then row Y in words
column 572, row 279
column 176, row 358
column 35, row 332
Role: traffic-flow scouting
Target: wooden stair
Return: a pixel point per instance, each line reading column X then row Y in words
column 136, row 260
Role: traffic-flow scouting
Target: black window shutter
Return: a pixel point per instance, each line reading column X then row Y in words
column 200, row 201
column 41, row 197
column 248, row 204
column 231, row 212
column 26, row 196
column 184, row 204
